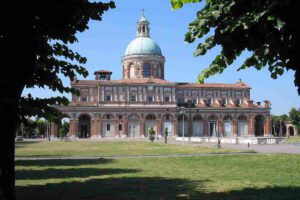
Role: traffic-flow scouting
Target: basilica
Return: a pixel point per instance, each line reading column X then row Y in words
column 143, row 99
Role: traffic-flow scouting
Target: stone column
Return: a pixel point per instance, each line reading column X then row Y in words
column 175, row 127
column 221, row 127
column 235, row 127
column 94, row 128
column 102, row 93
column 206, row 128
column 125, row 125
column 142, row 70
column 127, row 71
column 142, row 126
column 155, row 98
column 135, row 71
column 190, row 126
column 54, row 129
column 100, row 126
column 159, row 125
column 76, row 127
column 267, row 125
column 251, row 125
column 71, row 128
column 116, row 122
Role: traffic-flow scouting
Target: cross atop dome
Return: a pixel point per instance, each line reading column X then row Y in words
column 143, row 18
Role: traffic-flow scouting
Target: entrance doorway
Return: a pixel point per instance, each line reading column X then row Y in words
column 84, row 126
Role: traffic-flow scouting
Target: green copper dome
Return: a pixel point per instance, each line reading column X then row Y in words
column 143, row 45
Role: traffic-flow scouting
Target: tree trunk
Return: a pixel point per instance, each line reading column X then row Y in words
column 11, row 88
column 7, row 148
column 9, row 109
column 20, row 56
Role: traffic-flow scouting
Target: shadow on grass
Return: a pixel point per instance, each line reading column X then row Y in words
column 21, row 144
column 147, row 188
column 129, row 186
column 68, row 173
column 62, row 162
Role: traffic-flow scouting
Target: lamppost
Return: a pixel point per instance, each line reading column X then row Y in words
column 218, row 134
column 274, row 129
column 182, row 111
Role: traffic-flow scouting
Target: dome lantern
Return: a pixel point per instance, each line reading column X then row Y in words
column 143, row 26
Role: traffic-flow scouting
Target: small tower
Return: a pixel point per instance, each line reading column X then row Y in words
column 102, row 75
column 143, row 26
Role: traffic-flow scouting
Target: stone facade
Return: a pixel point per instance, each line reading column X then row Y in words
column 143, row 99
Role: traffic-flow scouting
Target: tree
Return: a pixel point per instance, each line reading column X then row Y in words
column 294, row 116
column 41, row 127
column 166, row 135
column 151, row 134
column 64, row 129
column 34, row 39
column 266, row 28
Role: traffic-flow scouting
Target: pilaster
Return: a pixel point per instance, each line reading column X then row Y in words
column 267, row 125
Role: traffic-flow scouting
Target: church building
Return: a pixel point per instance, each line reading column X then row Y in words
column 129, row 107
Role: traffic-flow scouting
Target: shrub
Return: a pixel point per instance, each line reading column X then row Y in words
column 151, row 134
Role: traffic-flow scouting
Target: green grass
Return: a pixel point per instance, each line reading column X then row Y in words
column 267, row 177
column 97, row 148
column 293, row 139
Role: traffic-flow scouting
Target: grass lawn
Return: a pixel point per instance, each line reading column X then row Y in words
column 97, row 148
column 293, row 139
column 267, row 177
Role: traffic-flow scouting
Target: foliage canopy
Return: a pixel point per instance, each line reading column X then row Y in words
column 294, row 116
column 265, row 28
column 34, row 39
column 46, row 32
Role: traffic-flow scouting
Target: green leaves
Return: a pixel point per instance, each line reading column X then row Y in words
column 294, row 116
column 42, row 55
column 176, row 4
column 279, row 24
column 266, row 29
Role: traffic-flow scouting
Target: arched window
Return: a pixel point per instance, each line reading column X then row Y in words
column 167, row 117
column 107, row 116
column 242, row 118
column 212, row 118
column 197, row 118
column 133, row 117
column 132, row 71
column 242, row 125
column 146, row 70
column 227, row 118
column 150, row 117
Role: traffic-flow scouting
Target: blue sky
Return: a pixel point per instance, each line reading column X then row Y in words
column 105, row 42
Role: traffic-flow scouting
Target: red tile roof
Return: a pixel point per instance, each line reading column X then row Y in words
column 127, row 81
column 142, row 81
column 164, row 82
column 213, row 85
